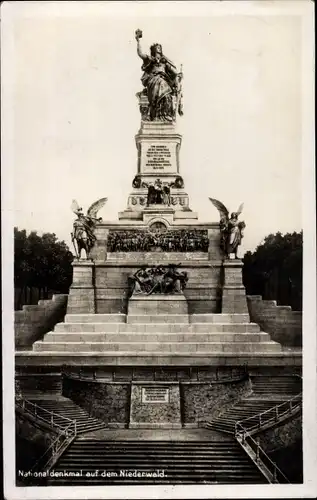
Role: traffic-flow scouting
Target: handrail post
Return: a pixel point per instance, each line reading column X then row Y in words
column 274, row 474
column 276, row 413
column 243, row 437
column 52, row 419
column 290, row 406
column 260, row 420
column 35, row 409
column 257, row 449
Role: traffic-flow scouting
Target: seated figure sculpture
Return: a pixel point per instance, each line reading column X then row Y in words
column 158, row 280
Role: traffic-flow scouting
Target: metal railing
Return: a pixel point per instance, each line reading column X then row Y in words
column 268, row 468
column 244, row 429
column 65, row 427
column 54, row 451
column 49, row 417
column 271, row 416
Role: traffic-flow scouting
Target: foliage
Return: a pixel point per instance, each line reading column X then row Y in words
column 41, row 262
column 274, row 270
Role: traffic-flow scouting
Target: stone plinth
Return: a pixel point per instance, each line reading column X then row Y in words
column 233, row 294
column 155, row 405
column 158, row 147
column 81, row 297
column 157, row 304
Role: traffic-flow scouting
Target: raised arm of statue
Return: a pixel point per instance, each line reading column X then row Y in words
column 138, row 35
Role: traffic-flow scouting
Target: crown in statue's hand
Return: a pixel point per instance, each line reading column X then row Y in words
column 138, row 34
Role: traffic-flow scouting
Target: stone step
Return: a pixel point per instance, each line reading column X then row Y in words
column 157, row 318
column 156, row 347
column 149, row 327
column 156, row 337
column 219, row 318
column 95, row 318
column 192, row 318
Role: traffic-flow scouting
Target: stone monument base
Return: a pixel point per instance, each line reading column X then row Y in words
column 157, row 304
column 155, row 405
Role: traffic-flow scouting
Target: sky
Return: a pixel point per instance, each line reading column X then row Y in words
column 73, row 76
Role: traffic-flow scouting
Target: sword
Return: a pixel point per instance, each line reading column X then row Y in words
column 73, row 241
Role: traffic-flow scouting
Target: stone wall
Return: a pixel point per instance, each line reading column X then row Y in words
column 32, row 440
column 147, row 414
column 103, row 287
column 111, row 401
column 283, row 444
column 201, row 402
column 281, row 322
column 34, row 321
column 45, row 382
column 108, row 402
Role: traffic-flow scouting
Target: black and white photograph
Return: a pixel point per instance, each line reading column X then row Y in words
column 158, row 249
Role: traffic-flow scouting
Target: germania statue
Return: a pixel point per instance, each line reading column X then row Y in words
column 162, row 83
column 84, row 227
column 230, row 227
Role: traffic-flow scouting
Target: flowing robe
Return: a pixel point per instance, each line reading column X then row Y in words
column 234, row 239
column 159, row 78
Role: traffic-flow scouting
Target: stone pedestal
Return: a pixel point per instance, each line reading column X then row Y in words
column 234, row 299
column 155, row 405
column 158, row 145
column 157, row 304
column 81, row 297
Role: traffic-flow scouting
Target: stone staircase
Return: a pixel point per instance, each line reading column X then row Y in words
column 67, row 408
column 287, row 385
column 34, row 384
column 121, row 334
column 267, row 392
column 181, row 462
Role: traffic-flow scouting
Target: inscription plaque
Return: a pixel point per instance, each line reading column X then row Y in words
column 158, row 157
column 155, row 395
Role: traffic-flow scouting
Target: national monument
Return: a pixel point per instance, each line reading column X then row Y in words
column 157, row 310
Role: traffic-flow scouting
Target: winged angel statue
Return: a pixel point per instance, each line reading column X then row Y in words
column 230, row 227
column 84, row 226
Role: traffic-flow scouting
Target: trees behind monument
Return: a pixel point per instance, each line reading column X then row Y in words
column 42, row 266
column 274, row 269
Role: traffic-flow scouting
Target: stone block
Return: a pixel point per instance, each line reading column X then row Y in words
column 234, row 301
column 157, row 318
column 157, row 304
column 39, row 359
column 155, row 405
column 219, row 318
column 95, row 318
column 81, row 300
column 155, row 337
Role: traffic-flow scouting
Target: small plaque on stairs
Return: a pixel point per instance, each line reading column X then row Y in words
column 155, row 394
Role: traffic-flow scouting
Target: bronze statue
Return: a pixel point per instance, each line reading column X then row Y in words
column 162, row 84
column 231, row 228
column 84, row 227
column 159, row 193
column 158, row 279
